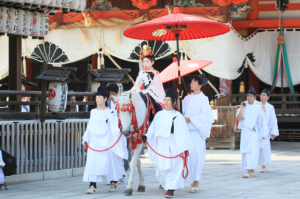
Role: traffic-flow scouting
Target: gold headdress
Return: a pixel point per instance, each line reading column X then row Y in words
column 146, row 51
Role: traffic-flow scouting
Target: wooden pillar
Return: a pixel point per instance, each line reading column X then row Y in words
column 94, row 61
column 29, row 73
column 44, row 96
column 15, row 69
column 254, row 15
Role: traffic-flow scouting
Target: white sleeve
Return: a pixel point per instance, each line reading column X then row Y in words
column 273, row 124
column 87, row 134
column 1, row 159
column 203, row 122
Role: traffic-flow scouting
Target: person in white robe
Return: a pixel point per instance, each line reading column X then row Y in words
column 199, row 118
column 2, row 177
column 153, row 86
column 252, row 122
column 265, row 145
column 102, row 132
column 168, row 135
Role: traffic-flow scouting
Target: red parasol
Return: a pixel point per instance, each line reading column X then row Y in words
column 177, row 27
column 186, row 67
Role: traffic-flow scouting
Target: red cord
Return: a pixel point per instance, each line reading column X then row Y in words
column 87, row 146
column 184, row 158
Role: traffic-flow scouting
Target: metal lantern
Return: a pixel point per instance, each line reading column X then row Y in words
column 57, row 95
column 81, row 7
column 36, row 3
column 21, row 23
column 13, row 22
column 28, row 2
column 74, row 5
column 66, row 6
column 4, row 22
column 36, row 25
column 45, row 3
column 58, row 4
column 45, row 25
column 28, row 24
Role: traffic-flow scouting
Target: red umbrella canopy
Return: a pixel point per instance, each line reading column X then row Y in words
column 164, row 28
column 186, row 67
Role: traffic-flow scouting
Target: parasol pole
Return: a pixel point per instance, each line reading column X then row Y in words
column 179, row 77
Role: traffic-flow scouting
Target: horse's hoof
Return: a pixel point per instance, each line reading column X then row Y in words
column 128, row 192
column 141, row 188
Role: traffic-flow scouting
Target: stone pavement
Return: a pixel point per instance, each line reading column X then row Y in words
column 221, row 178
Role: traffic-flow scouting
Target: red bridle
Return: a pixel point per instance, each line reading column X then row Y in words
column 140, row 131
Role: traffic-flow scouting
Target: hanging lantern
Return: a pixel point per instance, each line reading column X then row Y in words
column 21, row 23
column 45, row 3
column 4, row 22
column 36, row 3
column 28, row 24
column 58, row 4
column 10, row 3
column 36, row 25
column 18, row 3
column 13, row 22
column 74, row 5
column 28, row 2
column 45, row 26
column 66, row 6
column 81, row 7
column 51, row 5
column 57, row 95
column 52, row 12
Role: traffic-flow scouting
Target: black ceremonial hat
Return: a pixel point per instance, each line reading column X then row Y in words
column 203, row 79
column 103, row 91
column 252, row 91
column 172, row 93
column 267, row 91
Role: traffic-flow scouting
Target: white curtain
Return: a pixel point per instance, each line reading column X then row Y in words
column 264, row 48
column 3, row 56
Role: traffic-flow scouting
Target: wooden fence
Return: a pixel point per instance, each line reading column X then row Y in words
column 223, row 133
column 48, row 146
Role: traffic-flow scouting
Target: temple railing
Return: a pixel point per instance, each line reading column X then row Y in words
column 11, row 110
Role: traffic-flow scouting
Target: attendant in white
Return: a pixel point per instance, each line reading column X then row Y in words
column 169, row 136
column 102, row 132
column 265, row 146
column 113, row 89
column 199, row 118
column 2, row 164
column 148, row 80
column 253, row 126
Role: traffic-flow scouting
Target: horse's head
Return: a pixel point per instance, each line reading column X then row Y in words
column 124, row 108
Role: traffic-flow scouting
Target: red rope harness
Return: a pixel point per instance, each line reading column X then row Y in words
column 88, row 146
column 183, row 156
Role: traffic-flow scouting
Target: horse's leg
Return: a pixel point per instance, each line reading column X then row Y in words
column 133, row 163
column 141, row 187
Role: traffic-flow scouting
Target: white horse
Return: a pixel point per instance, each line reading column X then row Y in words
column 127, row 103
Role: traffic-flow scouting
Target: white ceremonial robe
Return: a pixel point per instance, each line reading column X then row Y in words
column 155, row 89
column 169, row 171
column 101, row 135
column 265, row 145
column 253, row 125
column 197, row 108
column 2, row 178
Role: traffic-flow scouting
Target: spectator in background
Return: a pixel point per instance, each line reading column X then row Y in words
column 26, row 108
column 75, row 107
column 86, row 99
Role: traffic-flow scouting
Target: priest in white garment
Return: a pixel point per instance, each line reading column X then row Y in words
column 265, row 145
column 102, row 132
column 199, row 118
column 252, row 122
column 169, row 136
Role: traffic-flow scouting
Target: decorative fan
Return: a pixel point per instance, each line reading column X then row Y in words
column 49, row 52
column 159, row 48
